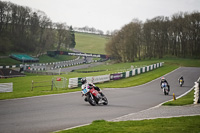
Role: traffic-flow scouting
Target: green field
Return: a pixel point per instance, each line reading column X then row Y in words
column 90, row 43
column 8, row 61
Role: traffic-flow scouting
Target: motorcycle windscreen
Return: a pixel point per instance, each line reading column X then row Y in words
column 94, row 92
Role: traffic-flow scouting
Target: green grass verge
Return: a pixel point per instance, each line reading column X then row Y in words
column 185, row 100
column 188, row 124
column 8, row 62
column 139, row 79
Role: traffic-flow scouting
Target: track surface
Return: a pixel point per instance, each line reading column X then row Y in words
column 55, row 112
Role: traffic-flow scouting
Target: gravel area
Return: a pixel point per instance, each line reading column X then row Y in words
column 162, row 112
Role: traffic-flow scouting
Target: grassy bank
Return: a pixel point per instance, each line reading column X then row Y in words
column 188, row 124
column 8, row 61
column 185, row 100
column 90, row 43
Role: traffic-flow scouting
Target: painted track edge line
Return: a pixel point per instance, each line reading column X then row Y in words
column 72, row 127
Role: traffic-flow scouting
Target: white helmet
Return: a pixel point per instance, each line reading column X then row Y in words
column 83, row 80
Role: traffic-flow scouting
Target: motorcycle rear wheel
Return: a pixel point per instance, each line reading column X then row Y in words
column 165, row 92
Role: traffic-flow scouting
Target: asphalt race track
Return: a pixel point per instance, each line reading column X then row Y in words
column 50, row 113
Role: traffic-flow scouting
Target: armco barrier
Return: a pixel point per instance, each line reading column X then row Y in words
column 115, row 76
column 133, row 72
column 138, row 70
column 73, row 82
column 45, row 64
column 76, row 82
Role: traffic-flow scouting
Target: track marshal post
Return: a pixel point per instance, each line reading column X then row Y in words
column 174, row 97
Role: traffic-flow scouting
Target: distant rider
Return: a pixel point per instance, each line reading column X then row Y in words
column 181, row 78
column 163, row 80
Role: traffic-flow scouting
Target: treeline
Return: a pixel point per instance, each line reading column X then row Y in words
column 25, row 30
column 87, row 29
column 178, row 36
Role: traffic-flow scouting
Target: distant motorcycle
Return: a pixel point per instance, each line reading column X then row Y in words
column 181, row 82
column 94, row 97
column 165, row 88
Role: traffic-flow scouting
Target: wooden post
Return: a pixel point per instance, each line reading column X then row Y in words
column 32, row 86
column 52, row 84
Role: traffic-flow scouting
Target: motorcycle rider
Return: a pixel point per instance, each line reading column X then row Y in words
column 181, row 78
column 163, row 80
column 90, row 86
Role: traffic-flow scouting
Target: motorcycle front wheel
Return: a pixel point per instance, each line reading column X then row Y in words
column 105, row 101
column 180, row 84
column 91, row 100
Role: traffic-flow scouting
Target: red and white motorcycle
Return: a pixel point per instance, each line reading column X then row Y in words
column 94, row 97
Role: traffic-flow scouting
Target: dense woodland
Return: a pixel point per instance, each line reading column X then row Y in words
column 178, row 35
column 23, row 29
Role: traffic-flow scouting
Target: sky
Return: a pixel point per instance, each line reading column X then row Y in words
column 107, row 15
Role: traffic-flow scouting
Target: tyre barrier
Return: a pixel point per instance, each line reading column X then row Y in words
column 76, row 82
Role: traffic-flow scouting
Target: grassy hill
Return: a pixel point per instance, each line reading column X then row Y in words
column 90, row 43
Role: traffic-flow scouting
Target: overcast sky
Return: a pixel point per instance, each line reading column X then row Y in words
column 107, row 14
